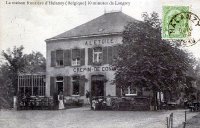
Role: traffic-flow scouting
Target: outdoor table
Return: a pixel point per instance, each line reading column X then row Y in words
column 171, row 105
column 196, row 106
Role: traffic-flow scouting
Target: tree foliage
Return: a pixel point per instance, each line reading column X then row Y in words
column 6, row 89
column 197, row 75
column 36, row 62
column 17, row 62
column 146, row 60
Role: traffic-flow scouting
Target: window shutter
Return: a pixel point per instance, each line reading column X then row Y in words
column 110, row 57
column 115, row 52
column 105, row 55
column 53, row 58
column 82, row 56
column 52, row 86
column 118, row 91
column 67, row 86
column 82, row 85
column 90, row 56
column 67, row 58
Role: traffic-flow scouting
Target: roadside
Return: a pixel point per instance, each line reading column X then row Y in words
column 85, row 118
column 194, row 122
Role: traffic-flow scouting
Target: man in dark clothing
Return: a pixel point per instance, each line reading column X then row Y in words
column 88, row 96
column 55, row 100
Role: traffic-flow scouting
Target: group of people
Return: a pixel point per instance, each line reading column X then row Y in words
column 59, row 100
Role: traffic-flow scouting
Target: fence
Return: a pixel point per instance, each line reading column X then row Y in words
column 170, row 121
column 184, row 123
column 26, row 103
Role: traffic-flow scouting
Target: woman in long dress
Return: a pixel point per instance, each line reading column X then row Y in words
column 60, row 99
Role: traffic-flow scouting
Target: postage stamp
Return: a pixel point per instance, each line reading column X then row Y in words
column 180, row 24
column 173, row 26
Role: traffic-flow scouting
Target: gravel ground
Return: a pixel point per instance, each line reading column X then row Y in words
column 194, row 122
column 86, row 118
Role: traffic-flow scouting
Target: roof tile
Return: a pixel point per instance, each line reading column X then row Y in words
column 105, row 24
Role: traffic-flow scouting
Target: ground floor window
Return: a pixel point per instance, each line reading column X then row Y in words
column 130, row 91
column 76, row 85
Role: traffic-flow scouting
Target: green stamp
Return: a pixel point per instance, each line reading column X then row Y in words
column 175, row 22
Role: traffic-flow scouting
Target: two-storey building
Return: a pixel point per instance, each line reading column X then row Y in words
column 81, row 58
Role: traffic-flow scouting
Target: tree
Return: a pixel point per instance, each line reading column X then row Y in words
column 36, row 62
column 6, row 91
column 146, row 60
column 197, row 75
column 16, row 63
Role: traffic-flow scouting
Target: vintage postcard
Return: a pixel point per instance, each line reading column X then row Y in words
column 99, row 63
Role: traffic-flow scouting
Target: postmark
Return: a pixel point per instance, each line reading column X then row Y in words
column 168, row 13
column 189, row 31
column 181, row 25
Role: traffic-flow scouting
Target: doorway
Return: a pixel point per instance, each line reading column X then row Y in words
column 97, row 85
column 59, row 87
column 59, row 84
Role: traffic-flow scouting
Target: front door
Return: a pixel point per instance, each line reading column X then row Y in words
column 97, row 86
column 59, row 87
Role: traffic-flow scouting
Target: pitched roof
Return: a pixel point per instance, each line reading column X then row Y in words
column 105, row 24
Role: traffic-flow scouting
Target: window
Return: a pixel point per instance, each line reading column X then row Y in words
column 97, row 55
column 33, row 85
column 59, row 83
column 76, row 53
column 59, row 58
column 76, row 85
column 76, row 62
column 130, row 91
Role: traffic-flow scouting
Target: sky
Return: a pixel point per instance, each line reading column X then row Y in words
column 30, row 25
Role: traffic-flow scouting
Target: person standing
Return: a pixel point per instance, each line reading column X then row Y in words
column 55, row 101
column 60, row 99
column 109, row 101
column 88, row 96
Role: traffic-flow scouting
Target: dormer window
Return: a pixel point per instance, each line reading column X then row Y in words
column 76, row 53
column 97, row 55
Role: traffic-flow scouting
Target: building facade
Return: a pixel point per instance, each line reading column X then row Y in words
column 81, row 58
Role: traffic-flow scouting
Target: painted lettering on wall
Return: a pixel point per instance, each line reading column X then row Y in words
column 91, row 69
column 99, row 41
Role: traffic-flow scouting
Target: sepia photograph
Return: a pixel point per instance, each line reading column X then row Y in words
column 99, row 64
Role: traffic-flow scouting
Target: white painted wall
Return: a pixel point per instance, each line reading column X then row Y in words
column 69, row 70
